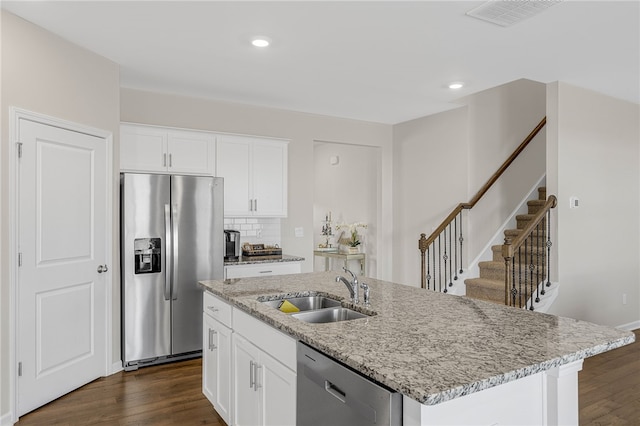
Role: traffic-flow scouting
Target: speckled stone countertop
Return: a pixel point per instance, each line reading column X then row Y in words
column 432, row 347
column 266, row 259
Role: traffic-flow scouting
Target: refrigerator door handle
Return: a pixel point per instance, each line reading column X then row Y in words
column 168, row 251
column 176, row 250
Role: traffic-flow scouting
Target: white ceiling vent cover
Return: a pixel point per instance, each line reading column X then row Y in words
column 509, row 12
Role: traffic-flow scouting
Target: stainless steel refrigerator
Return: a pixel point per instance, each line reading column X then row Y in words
column 171, row 237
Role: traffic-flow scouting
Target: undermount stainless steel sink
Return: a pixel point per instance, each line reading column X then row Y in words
column 306, row 303
column 316, row 309
column 329, row 315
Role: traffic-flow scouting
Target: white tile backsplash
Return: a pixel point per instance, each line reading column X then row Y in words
column 256, row 230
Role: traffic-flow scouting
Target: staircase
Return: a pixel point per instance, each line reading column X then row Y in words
column 490, row 286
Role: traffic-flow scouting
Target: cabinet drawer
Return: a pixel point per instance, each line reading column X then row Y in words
column 262, row 269
column 216, row 308
column 274, row 342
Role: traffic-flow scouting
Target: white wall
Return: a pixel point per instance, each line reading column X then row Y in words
column 499, row 120
column 45, row 74
column 596, row 143
column 302, row 130
column 350, row 191
column 443, row 160
column 430, row 179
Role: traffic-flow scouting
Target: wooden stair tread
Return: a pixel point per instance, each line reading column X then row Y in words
column 490, row 285
column 485, row 282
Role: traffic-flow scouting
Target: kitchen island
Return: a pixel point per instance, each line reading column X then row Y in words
column 442, row 352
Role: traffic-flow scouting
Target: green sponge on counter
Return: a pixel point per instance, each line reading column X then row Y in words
column 288, row 307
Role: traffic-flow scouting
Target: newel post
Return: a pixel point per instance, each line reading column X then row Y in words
column 508, row 255
column 422, row 245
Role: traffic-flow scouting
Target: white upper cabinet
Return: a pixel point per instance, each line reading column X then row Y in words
column 166, row 150
column 255, row 175
column 191, row 152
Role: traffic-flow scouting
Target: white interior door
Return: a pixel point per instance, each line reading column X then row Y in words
column 62, row 183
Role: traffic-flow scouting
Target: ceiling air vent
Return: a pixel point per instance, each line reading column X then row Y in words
column 509, row 12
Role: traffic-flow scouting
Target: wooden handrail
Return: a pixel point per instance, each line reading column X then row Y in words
column 484, row 188
column 506, row 164
column 424, row 242
column 511, row 245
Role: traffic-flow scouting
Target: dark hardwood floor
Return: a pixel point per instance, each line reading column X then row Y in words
column 168, row 394
column 171, row 394
column 609, row 386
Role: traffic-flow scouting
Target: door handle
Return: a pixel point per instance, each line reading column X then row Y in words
column 168, row 250
column 102, row 268
column 256, row 385
column 251, row 373
column 212, row 346
column 335, row 392
column 176, row 250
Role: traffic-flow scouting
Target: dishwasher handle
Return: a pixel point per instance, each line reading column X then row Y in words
column 335, row 392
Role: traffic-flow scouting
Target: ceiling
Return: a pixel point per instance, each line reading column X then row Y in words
column 378, row 61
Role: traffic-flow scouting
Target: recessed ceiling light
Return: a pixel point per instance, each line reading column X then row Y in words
column 261, row 41
column 456, row 85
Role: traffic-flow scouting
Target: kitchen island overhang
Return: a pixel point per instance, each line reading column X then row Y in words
column 431, row 347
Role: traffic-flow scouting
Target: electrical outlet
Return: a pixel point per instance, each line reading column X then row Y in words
column 259, row 233
column 299, row 232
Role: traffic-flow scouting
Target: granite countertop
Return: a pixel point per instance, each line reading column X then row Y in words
column 432, row 347
column 263, row 259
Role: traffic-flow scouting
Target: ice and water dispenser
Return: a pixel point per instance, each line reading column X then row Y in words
column 147, row 255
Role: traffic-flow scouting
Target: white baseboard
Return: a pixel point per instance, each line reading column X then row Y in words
column 116, row 367
column 6, row 419
column 630, row 326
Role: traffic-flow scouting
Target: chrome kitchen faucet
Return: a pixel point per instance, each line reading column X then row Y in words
column 352, row 285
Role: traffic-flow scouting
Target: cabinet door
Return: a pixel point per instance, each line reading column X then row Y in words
column 246, row 395
column 190, row 153
column 208, row 360
column 278, row 398
column 216, row 366
column 232, row 163
column 270, row 178
column 143, row 149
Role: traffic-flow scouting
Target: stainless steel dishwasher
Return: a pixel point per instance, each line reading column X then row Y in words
column 333, row 395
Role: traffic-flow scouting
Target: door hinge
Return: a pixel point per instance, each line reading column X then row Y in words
column 19, row 259
column 20, row 369
column 19, row 145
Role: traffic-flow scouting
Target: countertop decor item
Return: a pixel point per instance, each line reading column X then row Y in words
column 327, row 233
column 353, row 242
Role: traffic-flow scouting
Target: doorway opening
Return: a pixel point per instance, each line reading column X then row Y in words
column 347, row 190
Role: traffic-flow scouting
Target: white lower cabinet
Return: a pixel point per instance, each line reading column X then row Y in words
column 216, row 366
column 278, row 402
column 248, row 367
column 265, row 390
